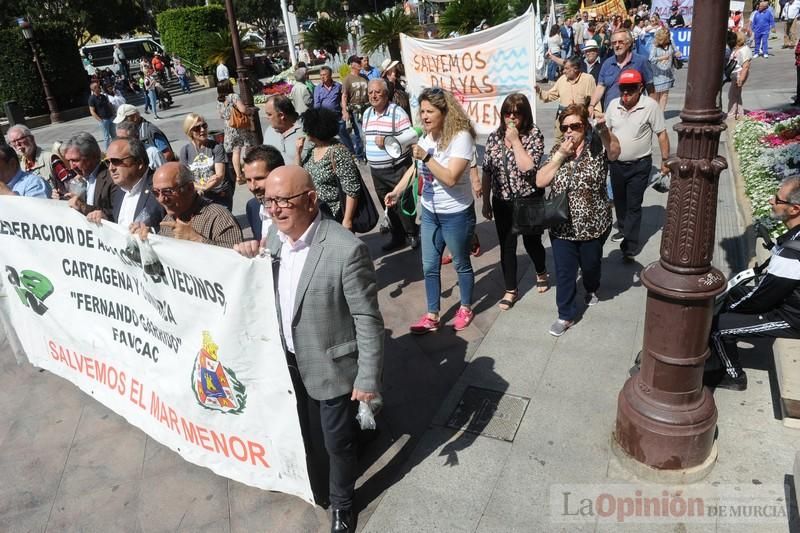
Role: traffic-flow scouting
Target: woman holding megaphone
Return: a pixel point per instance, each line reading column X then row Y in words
column 447, row 216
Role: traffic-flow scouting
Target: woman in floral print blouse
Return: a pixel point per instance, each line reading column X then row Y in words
column 509, row 171
column 330, row 164
column 579, row 166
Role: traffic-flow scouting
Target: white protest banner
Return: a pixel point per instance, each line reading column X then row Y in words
column 663, row 8
column 480, row 69
column 186, row 348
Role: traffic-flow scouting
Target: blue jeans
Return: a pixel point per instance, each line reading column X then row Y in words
column 453, row 230
column 353, row 143
column 184, row 81
column 568, row 256
column 153, row 99
column 108, row 130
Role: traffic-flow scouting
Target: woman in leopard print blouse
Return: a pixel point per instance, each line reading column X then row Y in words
column 579, row 166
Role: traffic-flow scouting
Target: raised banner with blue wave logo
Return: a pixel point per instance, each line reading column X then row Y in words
column 480, row 69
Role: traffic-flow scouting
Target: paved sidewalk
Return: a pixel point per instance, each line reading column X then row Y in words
column 70, row 464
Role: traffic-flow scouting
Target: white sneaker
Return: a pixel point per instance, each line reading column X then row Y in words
column 591, row 299
column 559, row 327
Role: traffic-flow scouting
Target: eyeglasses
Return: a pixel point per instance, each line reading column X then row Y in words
column 199, row 127
column 433, row 90
column 168, row 192
column 116, row 161
column 778, row 201
column 619, row 42
column 575, row 126
column 513, row 113
column 282, row 202
column 20, row 140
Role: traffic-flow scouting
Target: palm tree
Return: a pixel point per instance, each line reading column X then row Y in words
column 462, row 16
column 384, row 29
column 219, row 45
column 327, row 34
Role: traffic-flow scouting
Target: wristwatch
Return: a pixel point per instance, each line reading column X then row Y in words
column 426, row 158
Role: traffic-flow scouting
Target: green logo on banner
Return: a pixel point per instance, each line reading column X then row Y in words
column 32, row 288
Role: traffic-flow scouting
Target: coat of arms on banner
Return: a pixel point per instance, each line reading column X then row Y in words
column 215, row 386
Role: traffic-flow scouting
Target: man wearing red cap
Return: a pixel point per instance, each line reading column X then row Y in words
column 633, row 118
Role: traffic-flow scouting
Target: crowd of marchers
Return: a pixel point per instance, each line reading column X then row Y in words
column 306, row 182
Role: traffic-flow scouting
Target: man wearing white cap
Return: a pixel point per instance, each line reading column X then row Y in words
column 149, row 134
column 591, row 59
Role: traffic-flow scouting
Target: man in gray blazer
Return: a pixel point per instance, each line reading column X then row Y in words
column 331, row 326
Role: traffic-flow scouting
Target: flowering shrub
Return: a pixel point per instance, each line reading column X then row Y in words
column 764, row 160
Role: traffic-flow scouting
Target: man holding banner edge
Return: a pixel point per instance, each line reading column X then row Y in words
column 331, row 327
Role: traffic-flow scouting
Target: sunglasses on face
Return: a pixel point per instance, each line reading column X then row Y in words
column 514, row 113
column 116, row 161
column 199, row 127
column 168, row 192
column 779, row 201
column 21, row 140
column 575, row 126
column 628, row 88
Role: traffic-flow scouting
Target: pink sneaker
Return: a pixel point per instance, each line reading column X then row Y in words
column 463, row 318
column 424, row 325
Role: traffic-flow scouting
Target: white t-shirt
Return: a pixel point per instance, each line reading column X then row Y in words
column 439, row 198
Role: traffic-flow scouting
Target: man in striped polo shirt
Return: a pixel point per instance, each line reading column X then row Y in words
column 381, row 119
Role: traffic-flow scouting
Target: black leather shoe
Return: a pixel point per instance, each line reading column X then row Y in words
column 342, row 521
column 394, row 244
column 413, row 241
column 722, row 380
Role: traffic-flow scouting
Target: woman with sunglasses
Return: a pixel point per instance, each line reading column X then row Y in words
column 206, row 159
column 443, row 157
column 578, row 167
column 509, row 171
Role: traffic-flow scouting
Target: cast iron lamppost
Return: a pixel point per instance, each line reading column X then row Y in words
column 241, row 69
column 27, row 32
column 666, row 419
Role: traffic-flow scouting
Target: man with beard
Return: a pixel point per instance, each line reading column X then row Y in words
column 258, row 163
column 634, row 119
column 32, row 158
column 769, row 309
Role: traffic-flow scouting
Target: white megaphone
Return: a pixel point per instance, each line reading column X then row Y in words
column 396, row 145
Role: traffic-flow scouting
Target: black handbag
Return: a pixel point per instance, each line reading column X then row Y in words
column 729, row 68
column 534, row 213
column 366, row 215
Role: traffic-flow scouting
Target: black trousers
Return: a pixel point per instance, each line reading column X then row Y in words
column 731, row 327
column 385, row 180
column 330, row 436
column 503, row 211
column 629, row 181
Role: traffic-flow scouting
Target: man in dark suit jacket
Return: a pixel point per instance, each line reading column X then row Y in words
column 327, row 303
column 82, row 154
column 133, row 200
column 258, row 163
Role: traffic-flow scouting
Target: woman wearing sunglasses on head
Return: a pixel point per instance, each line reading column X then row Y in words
column 509, row 171
column 443, row 156
column 206, row 159
column 578, row 166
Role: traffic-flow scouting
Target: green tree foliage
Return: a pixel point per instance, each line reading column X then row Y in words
column 86, row 18
column 186, row 32
column 61, row 63
column 326, row 34
column 384, row 29
column 463, row 16
column 259, row 13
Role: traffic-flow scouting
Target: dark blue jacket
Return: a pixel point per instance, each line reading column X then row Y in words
column 153, row 211
column 253, row 218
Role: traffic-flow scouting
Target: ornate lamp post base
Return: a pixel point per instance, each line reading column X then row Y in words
column 666, row 419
